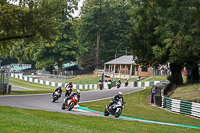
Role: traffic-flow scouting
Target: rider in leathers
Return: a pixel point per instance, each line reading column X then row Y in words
column 75, row 93
column 116, row 98
column 59, row 90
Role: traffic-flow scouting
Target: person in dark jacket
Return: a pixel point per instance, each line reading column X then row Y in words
column 59, row 90
column 75, row 93
column 116, row 98
column 119, row 81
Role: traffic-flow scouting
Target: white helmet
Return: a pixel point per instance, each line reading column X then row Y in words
column 78, row 91
column 120, row 93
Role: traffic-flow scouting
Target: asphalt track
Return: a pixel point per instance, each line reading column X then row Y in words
column 44, row 102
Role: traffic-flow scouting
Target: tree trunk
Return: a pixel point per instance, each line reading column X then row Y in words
column 176, row 77
column 51, row 69
column 194, row 77
column 97, row 50
column 59, row 68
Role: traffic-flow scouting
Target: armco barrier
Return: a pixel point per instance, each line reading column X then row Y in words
column 75, row 86
column 182, row 107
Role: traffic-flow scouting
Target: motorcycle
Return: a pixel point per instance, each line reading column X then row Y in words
column 68, row 91
column 115, row 109
column 70, row 103
column 118, row 85
column 100, row 85
column 109, row 84
column 126, row 82
column 56, row 96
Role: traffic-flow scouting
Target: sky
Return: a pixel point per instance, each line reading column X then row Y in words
column 76, row 13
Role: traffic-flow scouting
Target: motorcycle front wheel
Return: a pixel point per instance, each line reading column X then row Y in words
column 118, row 112
column 71, row 105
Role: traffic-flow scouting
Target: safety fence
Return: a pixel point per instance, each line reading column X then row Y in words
column 182, row 107
column 145, row 84
column 34, row 80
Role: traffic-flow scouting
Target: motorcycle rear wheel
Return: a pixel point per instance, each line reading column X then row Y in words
column 106, row 113
column 54, row 99
column 63, row 106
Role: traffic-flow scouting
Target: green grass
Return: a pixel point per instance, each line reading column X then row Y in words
column 155, row 78
column 14, row 120
column 189, row 92
column 36, row 88
column 137, row 107
column 84, row 79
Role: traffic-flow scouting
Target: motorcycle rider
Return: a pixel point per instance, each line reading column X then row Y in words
column 116, row 98
column 75, row 93
column 126, row 82
column 70, row 85
column 59, row 90
column 119, row 81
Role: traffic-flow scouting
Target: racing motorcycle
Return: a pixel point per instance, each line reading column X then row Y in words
column 118, row 85
column 126, row 82
column 68, row 91
column 100, row 85
column 109, row 84
column 115, row 109
column 56, row 96
column 70, row 103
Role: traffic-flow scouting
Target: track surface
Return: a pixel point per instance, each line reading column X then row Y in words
column 44, row 101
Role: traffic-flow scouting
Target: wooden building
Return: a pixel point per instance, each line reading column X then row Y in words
column 125, row 67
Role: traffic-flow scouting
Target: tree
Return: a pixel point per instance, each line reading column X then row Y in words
column 105, row 23
column 166, row 31
column 28, row 19
column 62, row 47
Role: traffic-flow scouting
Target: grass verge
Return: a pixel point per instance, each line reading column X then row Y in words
column 85, row 79
column 189, row 92
column 31, row 121
column 137, row 107
column 36, row 88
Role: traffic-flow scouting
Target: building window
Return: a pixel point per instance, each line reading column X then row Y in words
column 144, row 69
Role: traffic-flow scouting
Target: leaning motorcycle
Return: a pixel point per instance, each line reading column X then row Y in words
column 70, row 103
column 109, row 84
column 56, row 96
column 100, row 85
column 126, row 83
column 115, row 109
column 118, row 85
column 68, row 91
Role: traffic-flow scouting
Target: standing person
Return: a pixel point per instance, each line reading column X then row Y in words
column 68, row 88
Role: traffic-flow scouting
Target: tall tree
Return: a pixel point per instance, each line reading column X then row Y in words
column 105, row 23
column 166, row 31
column 28, row 19
column 61, row 48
